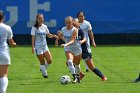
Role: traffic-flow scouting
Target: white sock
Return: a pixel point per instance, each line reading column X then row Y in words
column 46, row 64
column 43, row 69
column 86, row 65
column 77, row 69
column 3, row 84
column 71, row 66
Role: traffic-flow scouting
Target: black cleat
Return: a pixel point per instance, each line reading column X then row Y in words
column 78, row 79
column 45, row 76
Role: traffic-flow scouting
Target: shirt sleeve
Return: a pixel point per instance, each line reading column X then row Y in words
column 33, row 31
column 47, row 30
column 10, row 33
column 89, row 26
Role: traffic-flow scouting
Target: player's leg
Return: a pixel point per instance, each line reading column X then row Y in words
column 94, row 69
column 3, row 78
column 87, row 57
column 69, row 57
column 42, row 65
column 76, row 61
column 48, row 58
column 87, row 69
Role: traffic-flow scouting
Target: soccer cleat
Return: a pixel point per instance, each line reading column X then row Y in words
column 44, row 74
column 104, row 78
column 81, row 75
column 78, row 79
column 74, row 80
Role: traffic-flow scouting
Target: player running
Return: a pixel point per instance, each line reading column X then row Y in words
column 39, row 44
column 85, row 26
column 5, row 34
column 72, row 48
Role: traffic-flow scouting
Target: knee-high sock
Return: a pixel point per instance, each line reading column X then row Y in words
column 43, row 69
column 46, row 65
column 71, row 66
column 3, row 84
column 98, row 72
column 77, row 69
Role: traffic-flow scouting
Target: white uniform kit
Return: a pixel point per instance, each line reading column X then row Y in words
column 40, row 39
column 5, row 34
column 75, row 48
column 85, row 27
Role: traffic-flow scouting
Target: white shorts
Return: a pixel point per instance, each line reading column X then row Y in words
column 5, row 59
column 41, row 50
column 74, row 50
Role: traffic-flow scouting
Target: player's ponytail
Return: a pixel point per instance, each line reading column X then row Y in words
column 36, row 22
column 1, row 15
column 36, row 25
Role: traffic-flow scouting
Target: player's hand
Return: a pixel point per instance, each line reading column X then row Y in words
column 94, row 44
column 33, row 50
column 63, row 45
column 14, row 45
column 55, row 36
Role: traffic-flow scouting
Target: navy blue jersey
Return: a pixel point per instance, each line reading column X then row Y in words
column 81, row 37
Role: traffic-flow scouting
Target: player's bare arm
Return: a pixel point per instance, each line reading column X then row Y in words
column 33, row 43
column 52, row 35
column 12, row 43
column 92, row 38
column 73, row 38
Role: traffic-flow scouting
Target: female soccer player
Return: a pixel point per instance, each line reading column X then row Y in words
column 72, row 48
column 39, row 44
column 85, row 26
column 5, row 34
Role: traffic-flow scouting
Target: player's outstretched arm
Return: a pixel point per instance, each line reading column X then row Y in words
column 52, row 35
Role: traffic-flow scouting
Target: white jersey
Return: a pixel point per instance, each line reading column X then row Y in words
column 40, row 35
column 5, row 34
column 75, row 47
column 85, row 27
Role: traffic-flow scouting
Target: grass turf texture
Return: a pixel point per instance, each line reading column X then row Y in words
column 121, row 64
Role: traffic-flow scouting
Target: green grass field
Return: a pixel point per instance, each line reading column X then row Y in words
column 121, row 64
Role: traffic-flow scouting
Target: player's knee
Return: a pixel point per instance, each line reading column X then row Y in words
column 49, row 61
column 70, row 63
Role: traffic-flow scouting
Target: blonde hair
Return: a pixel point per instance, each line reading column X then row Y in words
column 75, row 20
column 68, row 18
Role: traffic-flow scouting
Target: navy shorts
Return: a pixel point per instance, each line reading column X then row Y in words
column 86, row 55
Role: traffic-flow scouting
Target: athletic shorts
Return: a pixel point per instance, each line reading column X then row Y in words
column 41, row 50
column 74, row 50
column 86, row 55
column 5, row 59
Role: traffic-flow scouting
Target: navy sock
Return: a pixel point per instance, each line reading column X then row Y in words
column 98, row 72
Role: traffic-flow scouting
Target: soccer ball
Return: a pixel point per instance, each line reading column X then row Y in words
column 65, row 79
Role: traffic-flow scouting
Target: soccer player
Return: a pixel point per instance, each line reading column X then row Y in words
column 137, row 79
column 72, row 48
column 85, row 26
column 5, row 34
column 39, row 44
